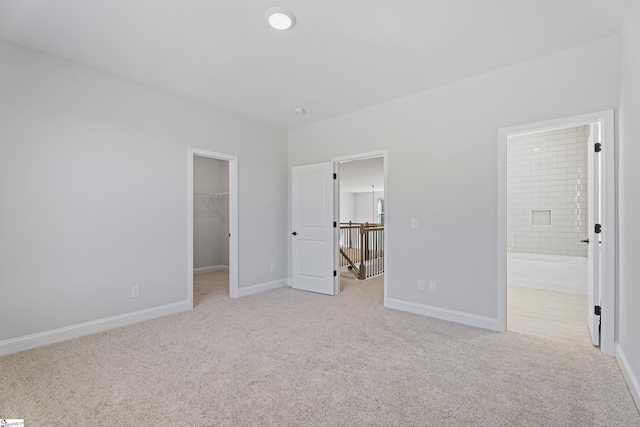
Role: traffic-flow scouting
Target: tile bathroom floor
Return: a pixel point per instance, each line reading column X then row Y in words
column 550, row 314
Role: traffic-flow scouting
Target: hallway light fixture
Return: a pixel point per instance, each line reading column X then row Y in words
column 280, row 18
column 373, row 202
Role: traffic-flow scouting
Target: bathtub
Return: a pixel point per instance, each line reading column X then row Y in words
column 548, row 272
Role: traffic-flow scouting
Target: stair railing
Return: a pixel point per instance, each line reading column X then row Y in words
column 361, row 247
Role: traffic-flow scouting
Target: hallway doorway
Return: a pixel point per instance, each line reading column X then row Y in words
column 361, row 207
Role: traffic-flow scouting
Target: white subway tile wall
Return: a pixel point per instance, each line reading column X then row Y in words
column 547, row 172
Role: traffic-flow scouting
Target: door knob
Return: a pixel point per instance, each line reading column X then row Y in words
column 585, row 241
column 294, row 233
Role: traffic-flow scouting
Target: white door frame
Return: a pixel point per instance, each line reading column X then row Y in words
column 364, row 156
column 609, row 262
column 593, row 217
column 233, row 220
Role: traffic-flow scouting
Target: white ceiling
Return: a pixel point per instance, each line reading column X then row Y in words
column 359, row 175
column 341, row 56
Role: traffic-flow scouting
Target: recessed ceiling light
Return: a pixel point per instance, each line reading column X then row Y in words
column 280, row 18
column 299, row 111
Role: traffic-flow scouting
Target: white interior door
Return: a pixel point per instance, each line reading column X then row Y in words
column 312, row 235
column 594, row 238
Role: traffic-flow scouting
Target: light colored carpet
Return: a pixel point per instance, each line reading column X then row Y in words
column 287, row 357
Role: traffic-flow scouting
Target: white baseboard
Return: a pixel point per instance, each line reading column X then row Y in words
column 444, row 314
column 210, row 269
column 27, row 342
column 261, row 287
column 629, row 375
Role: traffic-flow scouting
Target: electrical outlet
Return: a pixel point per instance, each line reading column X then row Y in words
column 432, row 287
column 273, row 267
column 135, row 291
column 421, row 285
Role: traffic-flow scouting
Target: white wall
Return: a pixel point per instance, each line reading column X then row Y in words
column 629, row 200
column 93, row 183
column 364, row 207
column 210, row 214
column 443, row 169
column 347, row 206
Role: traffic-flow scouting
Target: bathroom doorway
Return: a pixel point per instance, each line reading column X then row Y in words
column 547, row 216
column 553, row 281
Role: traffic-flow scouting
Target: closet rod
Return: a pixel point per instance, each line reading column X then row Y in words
column 211, row 194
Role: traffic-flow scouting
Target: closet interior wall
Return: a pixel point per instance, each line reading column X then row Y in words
column 210, row 214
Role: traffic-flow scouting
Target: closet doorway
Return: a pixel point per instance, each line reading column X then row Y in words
column 213, row 256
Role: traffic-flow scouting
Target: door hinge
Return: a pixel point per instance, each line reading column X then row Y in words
column 335, row 225
column 598, row 147
column 335, row 176
column 596, row 310
column 597, row 228
column 335, row 273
